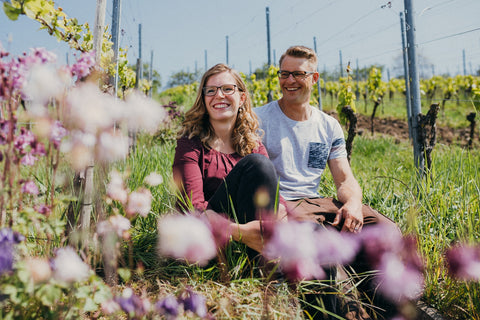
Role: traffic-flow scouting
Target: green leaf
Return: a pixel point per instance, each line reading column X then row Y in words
column 11, row 12
column 90, row 305
column 49, row 295
column 124, row 273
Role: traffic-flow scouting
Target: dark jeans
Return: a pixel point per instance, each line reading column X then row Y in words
column 236, row 195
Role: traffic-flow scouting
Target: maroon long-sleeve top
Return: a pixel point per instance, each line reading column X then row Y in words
column 200, row 170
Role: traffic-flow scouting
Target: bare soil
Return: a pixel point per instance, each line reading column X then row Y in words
column 398, row 129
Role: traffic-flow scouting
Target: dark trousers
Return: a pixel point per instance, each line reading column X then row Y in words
column 252, row 175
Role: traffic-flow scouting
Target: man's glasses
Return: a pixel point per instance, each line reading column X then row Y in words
column 296, row 74
column 227, row 89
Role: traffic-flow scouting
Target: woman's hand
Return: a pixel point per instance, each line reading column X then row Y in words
column 249, row 233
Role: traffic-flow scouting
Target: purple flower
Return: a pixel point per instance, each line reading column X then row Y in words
column 132, row 304
column 30, row 187
column 463, row 261
column 8, row 239
column 82, row 67
column 57, row 133
column 41, row 55
column 28, row 159
column 23, row 140
column 195, row 303
column 168, row 307
column 43, row 209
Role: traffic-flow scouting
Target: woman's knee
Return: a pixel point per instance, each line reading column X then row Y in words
column 259, row 164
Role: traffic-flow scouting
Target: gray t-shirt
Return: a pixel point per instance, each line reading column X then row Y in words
column 300, row 149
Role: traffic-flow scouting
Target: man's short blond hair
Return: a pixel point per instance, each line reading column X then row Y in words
column 300, row 52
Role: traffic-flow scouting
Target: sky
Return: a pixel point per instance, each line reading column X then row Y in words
column 189, row 35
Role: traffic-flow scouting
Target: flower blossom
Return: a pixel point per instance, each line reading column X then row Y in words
column 186, row 237
column 194, row 302
column 132, row 304
column 8, row 239
column 30, row 187
column 84, row 64
column 168, row 307
column 295, row 245
column 463, row 262
column 111, row 147
column 90, row 110
column 43, row 84
column 400, row 267
column 117, row 223
column 116, row 188
column 142, row 113
column 139, row 202
column 154, row 179
column 68, row 267
column 39, row 268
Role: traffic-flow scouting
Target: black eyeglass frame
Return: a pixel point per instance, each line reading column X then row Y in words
column 204, row 90
column 299, row 74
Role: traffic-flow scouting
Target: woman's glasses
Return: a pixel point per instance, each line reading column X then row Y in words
column 227, row 89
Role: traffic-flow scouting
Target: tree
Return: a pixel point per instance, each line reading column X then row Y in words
column 182, row 78
column 156, row 77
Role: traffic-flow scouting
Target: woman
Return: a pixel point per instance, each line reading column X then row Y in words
column 220, row 163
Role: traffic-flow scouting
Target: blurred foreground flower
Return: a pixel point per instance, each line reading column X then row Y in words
column 400, row 267
column 68, row 267
column 295, row 246
column 8, row 239
column 463, row 261
column 186, row 237
column 39, row 268
column 140, row 202
column 117, row 224
column 134, row 306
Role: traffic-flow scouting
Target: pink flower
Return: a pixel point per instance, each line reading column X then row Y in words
column 30, row 187
column 295, row 245
column 463, row 261
column 399, row 280
column 139, row 202
column 186, row 237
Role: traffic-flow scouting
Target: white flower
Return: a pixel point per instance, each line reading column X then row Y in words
column 112, row 147
column 43, row 84
column 116, row 188
column 153, row 179
column 139, row 202
column 142, row 113
column 186, row 237
column 39, row 269
column 68, row 267
column 120, row 224
column 90, row 110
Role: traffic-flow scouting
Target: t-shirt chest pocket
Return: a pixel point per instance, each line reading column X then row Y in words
column 317, row 155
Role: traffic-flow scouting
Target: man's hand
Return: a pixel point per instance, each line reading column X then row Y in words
column 351, row 214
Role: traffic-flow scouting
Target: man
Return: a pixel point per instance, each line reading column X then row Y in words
column 301, row 140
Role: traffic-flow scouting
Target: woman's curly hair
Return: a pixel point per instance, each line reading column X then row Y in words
column 244, row 136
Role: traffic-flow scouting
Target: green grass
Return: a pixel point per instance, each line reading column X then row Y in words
column 441, row 208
